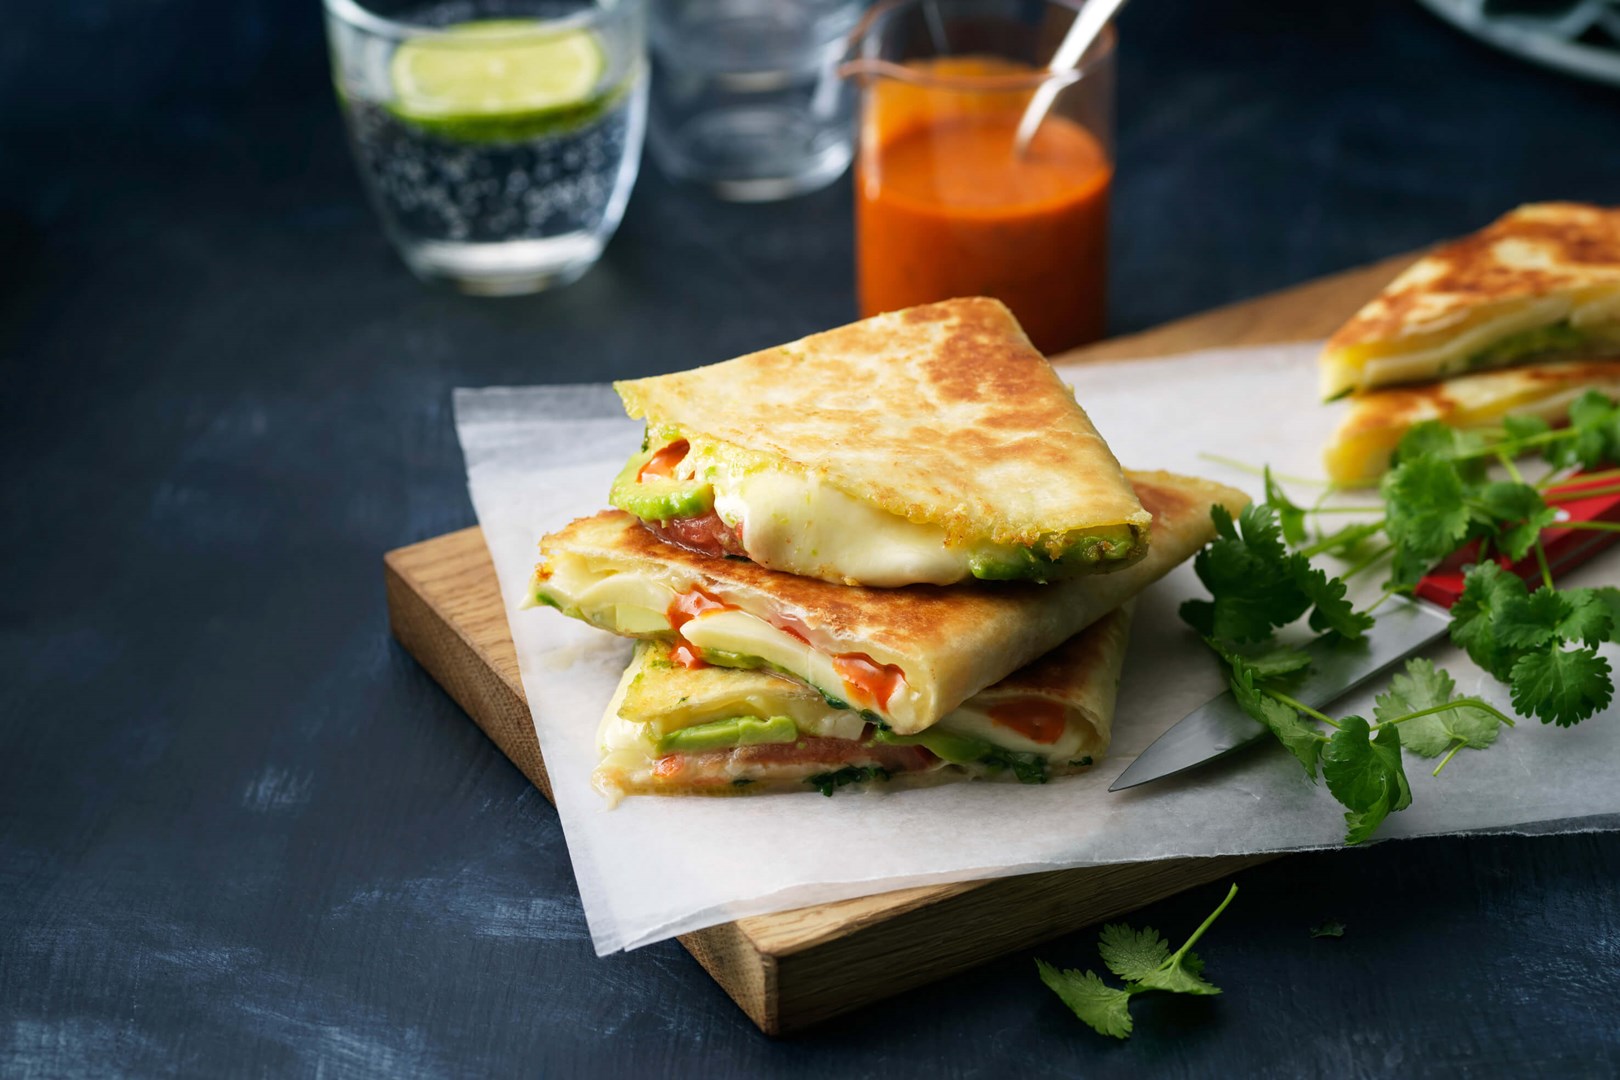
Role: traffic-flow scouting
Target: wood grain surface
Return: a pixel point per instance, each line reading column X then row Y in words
column 794, row 968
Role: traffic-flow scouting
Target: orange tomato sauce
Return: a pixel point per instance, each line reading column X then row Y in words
column 1036, row 719
column 869, row 681
column 663, row 462
column 946, row 208
column 682, row 610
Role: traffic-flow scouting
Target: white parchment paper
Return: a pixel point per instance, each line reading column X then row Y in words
column 539, row 456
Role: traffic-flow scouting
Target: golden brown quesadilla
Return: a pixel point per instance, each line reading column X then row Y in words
column 1541, row 283
column 676, row 730
column 1360, row 451
column 906, row 656
column 927, row 445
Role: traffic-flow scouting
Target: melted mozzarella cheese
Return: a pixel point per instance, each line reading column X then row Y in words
column 794, row 522
column 1598, row 311
column 739, row 632
column 625, row 603
column 631, row 603
column 973, row 720
column 1453, row 355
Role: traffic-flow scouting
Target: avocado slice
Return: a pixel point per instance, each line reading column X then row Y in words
column 1558, row 338
column 737, row 731
column 956, row 749
column 1007, row 563
column 658, row 498
column 722, row 658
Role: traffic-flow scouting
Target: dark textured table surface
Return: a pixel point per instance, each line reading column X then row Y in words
column 242, row 833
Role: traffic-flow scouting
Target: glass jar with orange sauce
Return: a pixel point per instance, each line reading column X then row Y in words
column 946, row 205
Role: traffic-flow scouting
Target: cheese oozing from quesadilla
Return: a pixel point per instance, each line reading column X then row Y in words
column 1541, row 283
column 903, row 657
column 723, row 500
column 675, row 728
column 1377, row 420
column 928, row 446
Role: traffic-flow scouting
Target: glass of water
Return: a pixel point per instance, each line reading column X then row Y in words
column 746, row 96
column 498, row 139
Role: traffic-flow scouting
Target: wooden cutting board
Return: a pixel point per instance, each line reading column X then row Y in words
column 795, row 968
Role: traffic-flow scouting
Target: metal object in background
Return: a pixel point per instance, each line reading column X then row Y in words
column 1219, row 726
column 1577, row 37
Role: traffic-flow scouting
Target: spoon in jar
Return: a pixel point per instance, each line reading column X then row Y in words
column 1094, row 16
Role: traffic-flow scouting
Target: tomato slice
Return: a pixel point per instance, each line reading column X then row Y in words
column 685, row 654
column 689, row 605
column 715, row 768
column 1036, row 719
column 868, row 681
column 664, row 461
column 792, row 626
column 707, row 535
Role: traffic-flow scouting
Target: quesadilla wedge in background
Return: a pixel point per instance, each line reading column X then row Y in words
column 675, row 730
column 923, row 446
column 1360, row 451
column 1541, row 283
column 903, row 656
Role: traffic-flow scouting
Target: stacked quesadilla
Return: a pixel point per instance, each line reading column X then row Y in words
column 801, row 577
column 1517, row 319
column 922, row 446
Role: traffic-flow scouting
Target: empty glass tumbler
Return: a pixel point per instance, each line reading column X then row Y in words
column 746, row 98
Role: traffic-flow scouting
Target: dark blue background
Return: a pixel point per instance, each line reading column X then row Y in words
column 242, row 833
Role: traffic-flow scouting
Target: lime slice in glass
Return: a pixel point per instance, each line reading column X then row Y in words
column 498, row 80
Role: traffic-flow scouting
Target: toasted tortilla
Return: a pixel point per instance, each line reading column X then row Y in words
column 1541, row 283
column 947, row 642
column 1360, row 451
column 942, row 415
column 657, row 696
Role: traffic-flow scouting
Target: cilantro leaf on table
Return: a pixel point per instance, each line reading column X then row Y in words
column 1423, row 686
column 1609, row 597
column 1256, row 584
column 1428, row 516
column 1561, row 686
column 1547, row 615
column 1274, row 663
column 1132, row 954
column 1182, row 973
column 1434, row 439
column 1488, row 593
column 1517, row 514
column 1531, row 619
column 1291, row 729
column 1249, row 574
column 1589, row 616
column 1105, row 1009
column 1331, row 611
column 1363, row 771
column 1144, row 961
column 1594, row 426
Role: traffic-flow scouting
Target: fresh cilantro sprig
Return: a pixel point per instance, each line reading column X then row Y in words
column 1257, row 584
column 1361, row 762
column 1543, row 644
column 1144, row 961
column 1437, row 496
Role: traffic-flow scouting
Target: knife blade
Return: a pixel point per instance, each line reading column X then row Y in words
column 1220, row 726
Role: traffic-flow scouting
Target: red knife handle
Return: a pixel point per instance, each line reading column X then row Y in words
column 1565, row 548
